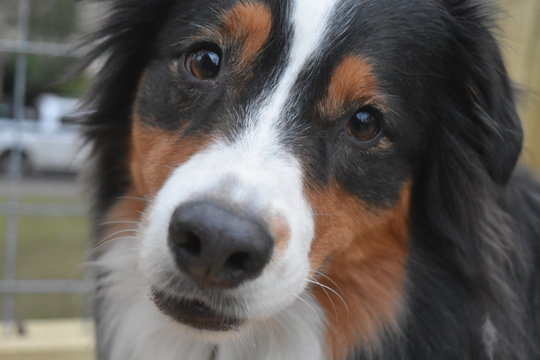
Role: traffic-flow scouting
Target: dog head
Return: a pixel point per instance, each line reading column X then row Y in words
column 279, row 143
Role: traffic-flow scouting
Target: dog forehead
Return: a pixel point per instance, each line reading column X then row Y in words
column 365, row 15
column 193, row 15
column 379, row 29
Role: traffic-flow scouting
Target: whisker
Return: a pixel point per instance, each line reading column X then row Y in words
column 95, row 248
column 117, row 233
column 329, row 279
column 127, row 217
column 333, row 291
column 327, row 295
column 118, row 222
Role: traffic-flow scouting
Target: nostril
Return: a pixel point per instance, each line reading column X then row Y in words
column 217, row 246
column 191, row 244
column 237, row 262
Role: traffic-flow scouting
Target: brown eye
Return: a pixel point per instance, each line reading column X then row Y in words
column 365, row 124
column 204, row 64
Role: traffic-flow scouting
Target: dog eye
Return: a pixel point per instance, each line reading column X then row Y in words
column 365, row 124
column 204, row 64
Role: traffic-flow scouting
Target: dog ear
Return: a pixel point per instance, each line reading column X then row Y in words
column 474, row 147
column 476, row 140
column 122, row 45
column 482, row 90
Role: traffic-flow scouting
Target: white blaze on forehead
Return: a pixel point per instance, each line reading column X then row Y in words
column 310, row 20
column 254, row 172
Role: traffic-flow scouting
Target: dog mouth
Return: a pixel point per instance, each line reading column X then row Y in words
column 194, row 313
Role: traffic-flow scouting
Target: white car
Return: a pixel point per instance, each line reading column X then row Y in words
column 50, row 143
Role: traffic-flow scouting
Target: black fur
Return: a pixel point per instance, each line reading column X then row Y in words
column 475, row 221
column 124, row 45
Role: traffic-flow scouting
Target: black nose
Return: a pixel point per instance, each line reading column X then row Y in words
column 216, row 246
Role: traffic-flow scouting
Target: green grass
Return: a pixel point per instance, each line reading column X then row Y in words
column 49, row 306
column 48, row 248
column 51, row 248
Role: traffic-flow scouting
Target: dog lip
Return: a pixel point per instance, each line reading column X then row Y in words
column 194, row 313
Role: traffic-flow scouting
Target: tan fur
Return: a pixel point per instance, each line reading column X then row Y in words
column 155, row 153
column 352, row 81
column 250, row 23
column 281, row 232
column 362, row 254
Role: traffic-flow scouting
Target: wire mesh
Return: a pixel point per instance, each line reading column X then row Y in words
column 13, row 209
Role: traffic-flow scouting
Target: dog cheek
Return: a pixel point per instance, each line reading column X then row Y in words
column 360, row 253
column 155, row 153
column 336, row 220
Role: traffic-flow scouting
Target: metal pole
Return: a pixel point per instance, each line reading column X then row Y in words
column 2, row 74
column 12, row 225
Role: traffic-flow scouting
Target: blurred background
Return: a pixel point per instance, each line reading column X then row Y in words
column 43, row 225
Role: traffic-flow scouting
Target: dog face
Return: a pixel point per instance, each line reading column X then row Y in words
column 278, row 144
column 265, row 136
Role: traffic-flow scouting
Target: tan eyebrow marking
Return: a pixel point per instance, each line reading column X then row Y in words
column 352, row 81
column 249, row 22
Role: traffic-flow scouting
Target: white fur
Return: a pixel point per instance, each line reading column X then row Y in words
column 133, row 328
column 243, row 180
column 255, row 172
column 489, row 333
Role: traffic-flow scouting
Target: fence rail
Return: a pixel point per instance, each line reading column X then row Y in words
column 37, row 48
column 13, row 208
column 59, row 286
column 37, row 209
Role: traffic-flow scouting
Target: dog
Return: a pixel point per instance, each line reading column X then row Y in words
column 310, row 179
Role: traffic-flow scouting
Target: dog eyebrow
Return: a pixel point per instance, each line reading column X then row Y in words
column 352, row 81
column 251, row 23
column 247, row 23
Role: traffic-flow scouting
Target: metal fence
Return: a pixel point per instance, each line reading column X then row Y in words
column 12, row 209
